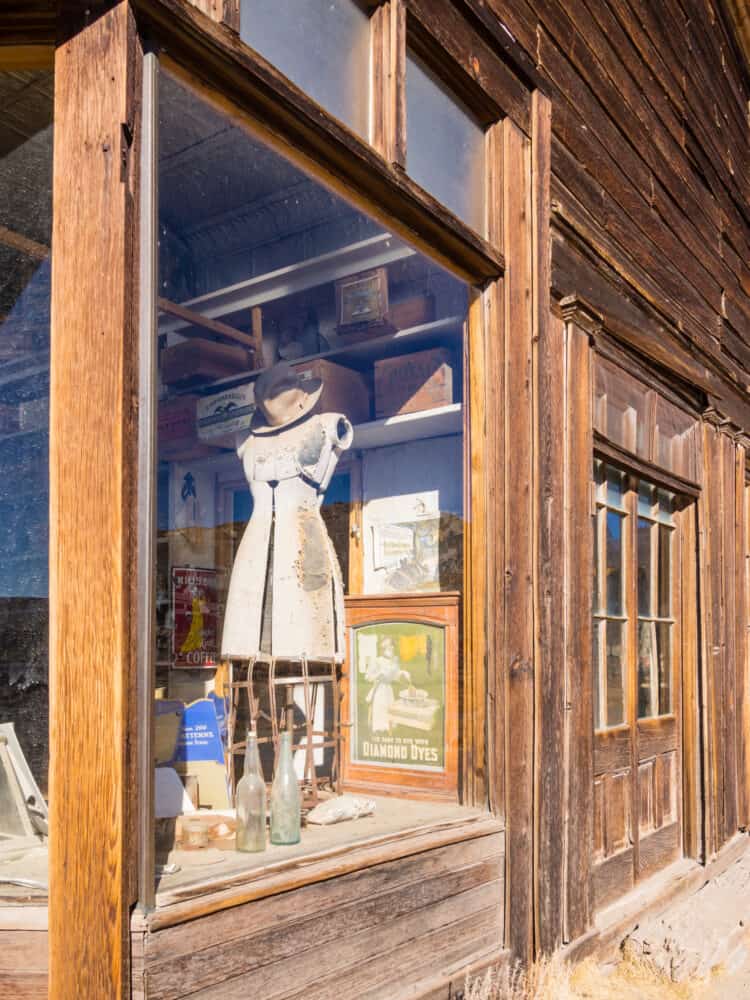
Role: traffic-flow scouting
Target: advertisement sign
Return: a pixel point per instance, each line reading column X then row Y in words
column 195, row 605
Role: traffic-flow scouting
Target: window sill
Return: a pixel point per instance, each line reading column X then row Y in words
column 399, row 828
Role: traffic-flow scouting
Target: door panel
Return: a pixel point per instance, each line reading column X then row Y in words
column 638, row 762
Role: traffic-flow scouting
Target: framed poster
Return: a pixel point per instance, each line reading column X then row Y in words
column 400, row 701
column 195, row 607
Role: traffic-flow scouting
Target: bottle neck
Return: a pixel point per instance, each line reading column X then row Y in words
column 252, row 757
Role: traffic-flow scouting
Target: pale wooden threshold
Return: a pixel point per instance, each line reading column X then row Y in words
column 212, row 895
column 680, row 880
column 24, row 917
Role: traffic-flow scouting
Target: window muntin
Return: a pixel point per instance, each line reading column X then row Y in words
column 634, row 532
column 323, row 285
column 445, row 144
column 321, row 45
column 26, row 131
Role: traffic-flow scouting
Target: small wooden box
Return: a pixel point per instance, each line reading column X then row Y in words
column 414, row 311
column 411, row 382
column 178, row 437
column 362, row 306
column 195, row 361
column 344, row 389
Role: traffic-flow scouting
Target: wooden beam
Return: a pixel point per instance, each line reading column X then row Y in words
column 222, row 330
column 519, row 549
column 388, row 40
column 549, row 529
column 93, row 789
column 17, row 241
column 578, row 747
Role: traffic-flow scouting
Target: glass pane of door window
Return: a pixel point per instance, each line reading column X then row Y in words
column 310, row 479
column 645, row 536
column 445, row 151
column 597, row 671
column 614, row 564
column 26, row 134
column 615, row 657
column 647, row 670
column 321, row 45
column 664, row 603
column 664, row 653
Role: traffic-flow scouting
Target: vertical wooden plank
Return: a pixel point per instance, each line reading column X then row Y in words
column 729, row 542
column 548, row 365
column 692, row 763
column 741, row 624
column 92, row 479
column 388, row 101
column 578, row 842
column 519, row 536
column 474, row 692
column 709, row 527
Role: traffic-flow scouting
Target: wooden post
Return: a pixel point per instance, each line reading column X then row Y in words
column 741, row 626
column 578, row 839
column 549, row 531
column 93, row 790
column 519, row 542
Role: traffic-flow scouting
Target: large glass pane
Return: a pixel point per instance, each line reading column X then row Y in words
column 310, row 488
column 647, row 670
column 645, row 566
column 321, row 45
column 615, row 577
column 615, row 489
column 665, row 572
column 664, row 652
column 444, row 144
column 615, row 654
column 26, row 104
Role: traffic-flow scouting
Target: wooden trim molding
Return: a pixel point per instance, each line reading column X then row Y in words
column 238, row 79
column 629, row 462
column 93, row 786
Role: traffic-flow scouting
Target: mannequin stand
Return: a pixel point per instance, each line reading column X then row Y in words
column 262, row 691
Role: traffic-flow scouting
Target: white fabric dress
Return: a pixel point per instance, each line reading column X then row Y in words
column 286, row 596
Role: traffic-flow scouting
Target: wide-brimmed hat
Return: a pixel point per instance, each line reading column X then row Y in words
column 282, row 398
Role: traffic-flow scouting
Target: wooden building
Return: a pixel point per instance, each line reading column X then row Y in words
column 543, row 210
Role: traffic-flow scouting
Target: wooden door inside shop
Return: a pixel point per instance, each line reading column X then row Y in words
column 638, row 668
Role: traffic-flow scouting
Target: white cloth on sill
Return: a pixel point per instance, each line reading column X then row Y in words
column 286, row 596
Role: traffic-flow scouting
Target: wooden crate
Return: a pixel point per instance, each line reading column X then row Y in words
column 411, row 382
column 196, row 361
column 344, row 389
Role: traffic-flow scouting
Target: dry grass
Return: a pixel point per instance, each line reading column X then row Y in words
column 631, row 979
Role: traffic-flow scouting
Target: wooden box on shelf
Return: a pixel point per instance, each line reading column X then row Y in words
column 195, row 361
column 178, row 437
column 400, row 695
column 414, row 311
column 345, row 390
column 362, row 306
column 410, row 382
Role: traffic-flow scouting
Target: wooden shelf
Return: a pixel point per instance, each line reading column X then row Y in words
column 437, row 333
column 240, row 298
column 417, row 426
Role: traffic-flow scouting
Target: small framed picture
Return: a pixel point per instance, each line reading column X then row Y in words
column 400, row 702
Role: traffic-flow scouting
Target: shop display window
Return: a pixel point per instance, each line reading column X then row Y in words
column 26, row 106
column 310, row 542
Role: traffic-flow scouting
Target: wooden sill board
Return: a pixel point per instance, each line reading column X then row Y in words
column 325, row 853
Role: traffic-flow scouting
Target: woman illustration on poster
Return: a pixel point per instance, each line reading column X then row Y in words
column 383, row 673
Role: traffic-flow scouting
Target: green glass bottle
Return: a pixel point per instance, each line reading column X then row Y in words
column 251, row 801
column 286, row 801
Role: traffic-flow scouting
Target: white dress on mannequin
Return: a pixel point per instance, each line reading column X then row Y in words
column 286, row 595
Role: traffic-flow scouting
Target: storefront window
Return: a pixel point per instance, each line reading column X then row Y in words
column 445, row 144
column 321, row 45
column 26, row 104
column 310, row 494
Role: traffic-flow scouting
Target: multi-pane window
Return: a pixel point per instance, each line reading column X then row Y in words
column 633, row 609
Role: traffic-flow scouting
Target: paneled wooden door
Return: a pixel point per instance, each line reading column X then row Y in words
column 637, row 669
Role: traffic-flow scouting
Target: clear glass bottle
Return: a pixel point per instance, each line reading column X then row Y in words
column 286, row 801
column 251, row 801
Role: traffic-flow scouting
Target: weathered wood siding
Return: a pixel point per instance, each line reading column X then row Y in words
column 376, row 933
column 23, row 952
column 651, row 173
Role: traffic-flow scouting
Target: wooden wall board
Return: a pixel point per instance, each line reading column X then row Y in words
column 742, row 647
column 94, row 300
column 448, row 899
column 518, row 618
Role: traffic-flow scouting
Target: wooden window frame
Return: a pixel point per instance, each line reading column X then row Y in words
column 477, row 773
